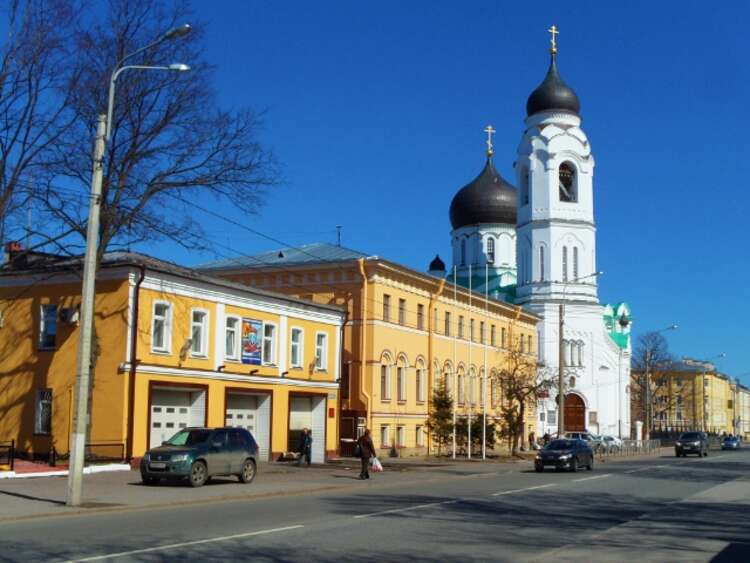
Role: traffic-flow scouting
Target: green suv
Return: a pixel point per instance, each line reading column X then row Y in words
column 197, row 454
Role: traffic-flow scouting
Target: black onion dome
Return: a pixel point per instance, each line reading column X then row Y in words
column 553, row 94
column 486, row 199
column 437, row 265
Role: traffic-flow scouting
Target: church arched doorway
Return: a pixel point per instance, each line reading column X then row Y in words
column 575, row 413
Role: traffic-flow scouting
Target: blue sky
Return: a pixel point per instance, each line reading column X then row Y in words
column 376, row 111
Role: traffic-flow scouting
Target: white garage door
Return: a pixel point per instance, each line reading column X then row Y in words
column 252, row 412
column 309, row 412
column 173, row 409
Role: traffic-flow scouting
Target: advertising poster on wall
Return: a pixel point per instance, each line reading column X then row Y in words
column 251, row 341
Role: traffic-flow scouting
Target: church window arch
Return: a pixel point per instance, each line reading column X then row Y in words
column 564, row 263
column 568, row 182
column 541, row 263
column 491, row 250
column 575, row 262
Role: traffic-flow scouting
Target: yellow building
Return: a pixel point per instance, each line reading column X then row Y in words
column 691, row 395
column 742, row 410
column 176, row 348
column 405, row 330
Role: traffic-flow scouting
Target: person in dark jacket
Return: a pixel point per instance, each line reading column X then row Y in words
column 368, row 451
column 305, row 447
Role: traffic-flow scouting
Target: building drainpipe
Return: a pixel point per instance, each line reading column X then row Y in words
column 348, row 382
column 133, row 362
column 362, row 348
column 430, row 366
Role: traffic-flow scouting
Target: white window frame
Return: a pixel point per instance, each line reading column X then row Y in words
column 401, row 383
column 274, row 344
column 300, row 347
column 385, row 441
column 400, row 436
column 420, row 383
column 43, row 326
column 167, row 348
column 237, row 338
column 203, row 352
column 419, row 436
column 385, row 382
column 321, row 353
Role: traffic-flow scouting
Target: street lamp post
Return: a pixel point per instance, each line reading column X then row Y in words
column 561, row 356
column 83, row 373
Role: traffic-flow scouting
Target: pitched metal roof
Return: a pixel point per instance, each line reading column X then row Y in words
column 314, row 253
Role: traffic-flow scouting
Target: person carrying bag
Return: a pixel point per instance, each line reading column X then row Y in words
column 366, row 451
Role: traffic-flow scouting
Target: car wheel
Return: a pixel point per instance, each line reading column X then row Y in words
column 150, row 481
column 538, row 468
column 705, row 453
column 590, row 466
column 248, row 471
column 574, row 465
column 198, row 474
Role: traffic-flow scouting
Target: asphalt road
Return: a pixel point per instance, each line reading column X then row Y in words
column 659, row 509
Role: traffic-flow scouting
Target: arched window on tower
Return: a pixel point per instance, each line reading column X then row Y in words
column 490, row 250
column 541, row 263
column 580, row 353
column 463, row 251
column 565, row 264
column 568, row 183
column 575, row 262
column 525, row 192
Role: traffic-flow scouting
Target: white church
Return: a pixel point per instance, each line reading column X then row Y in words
column 539, row 244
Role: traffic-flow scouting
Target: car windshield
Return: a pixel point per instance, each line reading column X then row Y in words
column 189, row 437
column 690, row 436
column 560, row 445
column 729, row 439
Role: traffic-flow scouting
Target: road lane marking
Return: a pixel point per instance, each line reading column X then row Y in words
column 405, row 509
column 186, row 544
column 522, row 490
column 592, row 478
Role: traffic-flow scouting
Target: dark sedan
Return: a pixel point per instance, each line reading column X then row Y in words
column 730, row 443
column 197, row 454
column 691, row 443
column 565, row 454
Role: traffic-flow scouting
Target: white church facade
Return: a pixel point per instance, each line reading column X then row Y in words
column 540, row 246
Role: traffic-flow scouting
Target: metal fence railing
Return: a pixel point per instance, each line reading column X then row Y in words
column 96, row 452
column 7, row 453
column 628, row 448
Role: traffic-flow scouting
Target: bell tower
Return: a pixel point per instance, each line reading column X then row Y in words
column 556, row 233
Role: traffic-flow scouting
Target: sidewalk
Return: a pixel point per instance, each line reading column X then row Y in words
column 123, row 490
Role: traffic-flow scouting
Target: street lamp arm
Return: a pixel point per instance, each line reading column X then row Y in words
column 113, row 80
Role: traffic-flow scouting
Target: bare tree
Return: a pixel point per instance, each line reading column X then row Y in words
column 35, row 82
column 651, row 393
column 170, row 143
column 521, row 383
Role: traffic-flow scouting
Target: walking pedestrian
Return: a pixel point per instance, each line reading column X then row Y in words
column 305, row 448
column 532, row 440
column 367, row 451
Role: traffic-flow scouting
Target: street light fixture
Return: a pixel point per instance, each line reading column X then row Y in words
column 83, row 373
column 561, row 356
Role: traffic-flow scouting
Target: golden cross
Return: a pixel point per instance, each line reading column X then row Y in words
column 489, row 130
column 553, row 41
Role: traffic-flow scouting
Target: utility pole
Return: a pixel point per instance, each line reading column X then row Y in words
column 648, row 394
column 561, row 374
column 83, row 377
